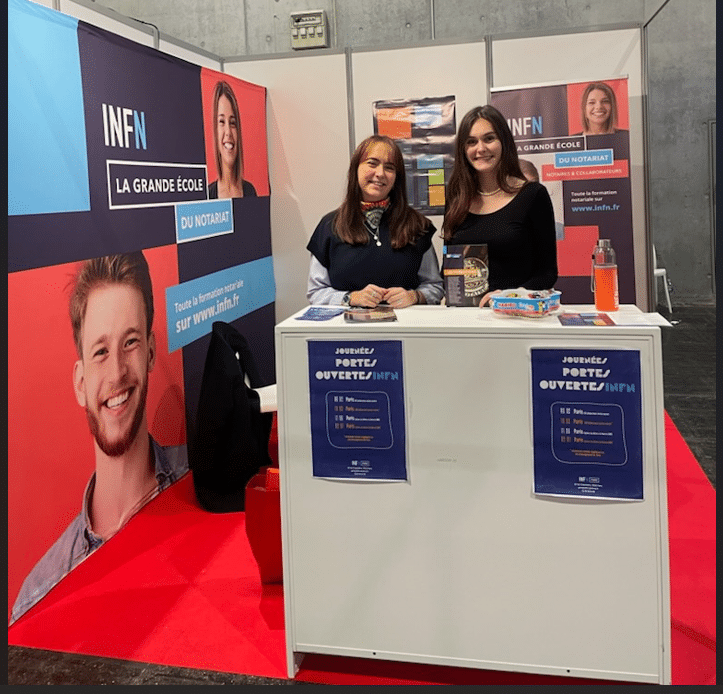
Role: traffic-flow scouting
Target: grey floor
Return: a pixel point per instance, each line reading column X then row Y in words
column 689, row 374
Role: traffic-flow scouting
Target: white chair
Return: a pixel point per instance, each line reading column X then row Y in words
column 267, row 398
column 661, row 272
column 267, row 394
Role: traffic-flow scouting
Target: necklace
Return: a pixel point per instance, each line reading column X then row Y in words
column 373, row 213
column 494, row 192
column 374, row 234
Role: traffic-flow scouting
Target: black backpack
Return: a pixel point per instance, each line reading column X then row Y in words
column 231, row 441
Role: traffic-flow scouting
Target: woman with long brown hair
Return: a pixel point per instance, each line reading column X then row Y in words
column 489, row 201
column 374, row 248
column 228, row 147
column 599, row 109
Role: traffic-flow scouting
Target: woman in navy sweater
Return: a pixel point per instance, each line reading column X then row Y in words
column 374, row 248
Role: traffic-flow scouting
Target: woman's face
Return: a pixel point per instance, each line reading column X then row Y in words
column 227, row 132
column 376, row 173
column 598, row 109
column 483, row 148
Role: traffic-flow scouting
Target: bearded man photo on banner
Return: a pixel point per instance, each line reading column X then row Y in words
column 111, row 312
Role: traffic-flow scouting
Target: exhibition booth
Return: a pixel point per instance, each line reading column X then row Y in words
column 478, row 525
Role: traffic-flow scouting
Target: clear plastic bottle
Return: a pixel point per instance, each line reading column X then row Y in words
column 604, row 279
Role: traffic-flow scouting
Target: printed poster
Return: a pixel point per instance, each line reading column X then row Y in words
column 138, row 214
column 587, row 429
column 574, row 138
column 424, row 129
column 356, row 391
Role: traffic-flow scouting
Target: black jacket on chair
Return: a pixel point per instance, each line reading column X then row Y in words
column 231, row 441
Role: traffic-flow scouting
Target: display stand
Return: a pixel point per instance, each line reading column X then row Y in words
column 463, row 564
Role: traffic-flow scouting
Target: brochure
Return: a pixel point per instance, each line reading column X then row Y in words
column 574, row 318
column 366, row 315
column 320, row 313
column 465, row 270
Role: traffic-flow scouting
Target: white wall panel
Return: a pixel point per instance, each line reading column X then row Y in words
column 188, row 54
column 120, row 26
column 308, row 139
column 413, row 73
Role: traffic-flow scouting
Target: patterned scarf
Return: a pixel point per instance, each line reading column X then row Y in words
column 373, row 211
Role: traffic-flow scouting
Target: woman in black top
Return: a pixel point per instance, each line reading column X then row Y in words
column 374, row 248
column 489, row 201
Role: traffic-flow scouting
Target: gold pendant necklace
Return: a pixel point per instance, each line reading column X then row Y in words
column 494, row 192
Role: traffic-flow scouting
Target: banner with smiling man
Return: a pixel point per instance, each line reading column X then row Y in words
column 138, row 214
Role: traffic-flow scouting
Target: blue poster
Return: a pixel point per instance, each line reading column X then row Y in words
column 587, row 429
column 356, row 391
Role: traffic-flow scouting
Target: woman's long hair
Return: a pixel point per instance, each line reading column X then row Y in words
column 464, row 182
column 612, row 120
column 405, row 223
column 224, row 89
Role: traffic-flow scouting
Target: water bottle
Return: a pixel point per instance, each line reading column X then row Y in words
column 604, row 278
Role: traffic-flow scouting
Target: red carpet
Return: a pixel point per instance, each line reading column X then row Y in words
column 179, row 587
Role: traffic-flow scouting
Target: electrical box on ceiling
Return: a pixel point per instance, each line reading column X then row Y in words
column 309, row 29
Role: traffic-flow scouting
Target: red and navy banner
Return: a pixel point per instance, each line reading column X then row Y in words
column 574, row 138
column 116, row 148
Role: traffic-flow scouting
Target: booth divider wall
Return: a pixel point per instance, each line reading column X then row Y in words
column 101, row 17
column 135, row 30
column 456, row 69
column 314, row 111
column 308, row 156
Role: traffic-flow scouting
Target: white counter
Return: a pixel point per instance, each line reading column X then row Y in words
column 463, row 564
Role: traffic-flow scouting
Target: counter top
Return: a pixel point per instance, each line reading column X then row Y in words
column 473, row 319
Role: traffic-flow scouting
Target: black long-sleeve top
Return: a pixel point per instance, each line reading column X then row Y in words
column 520, row 238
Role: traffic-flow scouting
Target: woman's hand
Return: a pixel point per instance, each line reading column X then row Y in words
column 369, row 297
column 401, row 298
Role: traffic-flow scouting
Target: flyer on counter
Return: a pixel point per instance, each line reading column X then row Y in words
column 321, row 313
column 356, row 394
column 587, row 428
column 574, row 318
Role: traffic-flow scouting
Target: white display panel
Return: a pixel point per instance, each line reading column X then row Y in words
column 413, row 73
column 594, row 55
column 464, row 565
column 308, row 157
